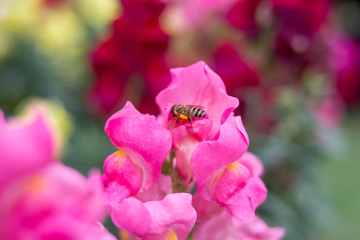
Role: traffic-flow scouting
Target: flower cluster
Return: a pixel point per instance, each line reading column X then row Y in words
column 160, row 160
column 40, row 198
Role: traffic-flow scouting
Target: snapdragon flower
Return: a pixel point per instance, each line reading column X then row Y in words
column 148, row 180
column 207, row 150
column 40, row 198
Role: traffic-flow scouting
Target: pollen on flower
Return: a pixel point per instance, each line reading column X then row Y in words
column 119, row 158
column 120, row 153
column 233, row 166
column 36, row 183
column 170, row 235
column 124, row 234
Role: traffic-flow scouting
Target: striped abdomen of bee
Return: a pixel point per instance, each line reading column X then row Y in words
column 187, row 112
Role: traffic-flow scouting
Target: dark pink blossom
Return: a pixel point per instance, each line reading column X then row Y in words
column 242, row 15
column 297, row 24
column 134, row 51
column 238, row 72
column 345, row 64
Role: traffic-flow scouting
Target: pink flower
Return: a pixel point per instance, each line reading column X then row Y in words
column 345, row 63
column 25, row 145
column 224, row 226
column 298, row 23
column 143, row 145
column 198, row 13
column 210, row 148
column 52, row 202
column 40, row 198
column 134, row 188
column 171, row 218
column 195, row 85
column 329, row 112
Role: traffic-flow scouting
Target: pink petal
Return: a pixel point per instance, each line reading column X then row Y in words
column 24, row 146
column 51, row 203
column 252, row 163
column 146, row 220
column 244, row 202
column 119, row 167
column 198, row 85
column 142, row 139
column 211, row 156
column 205, row 209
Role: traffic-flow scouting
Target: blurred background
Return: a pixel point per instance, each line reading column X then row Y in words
column 293, row 64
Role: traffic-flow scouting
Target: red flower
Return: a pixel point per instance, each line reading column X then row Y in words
column 135, row 49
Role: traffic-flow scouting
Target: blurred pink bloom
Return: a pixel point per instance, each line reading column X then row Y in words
column 136, row 49
column 40, row 198
column 171, row 218
column 299, row 16
column 200, row 13
column 143, row 145
column 329, row 112
column 242, row 15
column 25, row 145
column 224, row 226
column 237, row 72
column 345, row 63
column 52, row 202
column 209, row 148
column 297, row 23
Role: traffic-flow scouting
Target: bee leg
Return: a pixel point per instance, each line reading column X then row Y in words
column 190, row 121
column 177, row 120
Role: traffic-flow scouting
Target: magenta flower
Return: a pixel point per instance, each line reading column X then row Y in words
column 195, row 85
column 209, row 148
column 41, row 198
column 146, row 196
column 143, row 146
column 224, row 226
column 132, row 187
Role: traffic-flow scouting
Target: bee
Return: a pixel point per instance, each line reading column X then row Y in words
column 187, row 112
